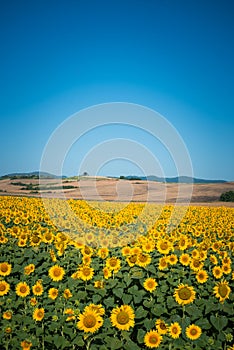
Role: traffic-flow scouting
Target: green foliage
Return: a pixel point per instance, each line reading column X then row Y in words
column 227, row 196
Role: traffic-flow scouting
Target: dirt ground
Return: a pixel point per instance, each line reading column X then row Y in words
column 109, row 189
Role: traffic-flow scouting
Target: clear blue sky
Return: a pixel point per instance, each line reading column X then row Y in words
column 176, row 57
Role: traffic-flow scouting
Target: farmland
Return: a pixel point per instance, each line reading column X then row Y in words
column 104, row 275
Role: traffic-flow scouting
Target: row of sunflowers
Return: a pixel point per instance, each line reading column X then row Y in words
column 88, row 275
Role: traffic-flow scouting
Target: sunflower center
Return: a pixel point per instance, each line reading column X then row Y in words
column 2, row 287
column 223, row 290
column 163, row 326
column 57, row 272
column 153, row 339
column 35, row 239
column 174, row 330
column 23, row 289
column 150, row 284
column 184, row 293
column 89, row 321
column 4, row 268
column 196, row 263
column 86, row 271
column 113, row 262
column 193, row 331
column 142, row 258
column 164, row 246
column 122, row 317
column 133, row 259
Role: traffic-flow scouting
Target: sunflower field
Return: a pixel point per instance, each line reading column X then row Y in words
column 105, row 276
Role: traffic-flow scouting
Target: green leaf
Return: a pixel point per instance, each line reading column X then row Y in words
column 118, row 292
column 126, row 298
column 149, row 324
column 211, row 307
column 140, row 336
column 219, row 322
column 113, row 343
column 96, row 298
column 158, row 310
column 109, row 302
column 203, row 323
column 130, row 345
column 78, row 341
column 81, row 295
column 140, row 312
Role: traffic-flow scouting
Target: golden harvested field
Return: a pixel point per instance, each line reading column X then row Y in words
column 105, row 275
column 107, row 189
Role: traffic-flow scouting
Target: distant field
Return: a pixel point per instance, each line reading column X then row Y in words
column 109, row 189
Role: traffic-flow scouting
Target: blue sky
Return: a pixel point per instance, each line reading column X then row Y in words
column 176, row 57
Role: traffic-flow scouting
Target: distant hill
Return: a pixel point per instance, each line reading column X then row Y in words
column 31, row 175
column 178, row 179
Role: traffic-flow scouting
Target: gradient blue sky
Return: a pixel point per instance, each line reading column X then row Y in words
column 176, row 57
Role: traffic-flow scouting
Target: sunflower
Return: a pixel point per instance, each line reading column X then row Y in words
column 193, row 332
column 56, row 273
column 184, row 294
column 150, row 284
column 143, row 259
column 185, row 259
column 53, row 293
column 5, row 269
column 164, row 246
column 99, row 309
column 99, row 284
column 67, row 293
column 38, row 314
column 26, row 345
column 213, row 259
column 86, row 260
column 222, row 291
column 29, row 269
column 126, row 251
column 163, row 264
column 7, row 315
column 217, row 272
column 161, row 326
column 37, row 289
column 172, row 259
column 106, row 273
column 148, row 246
column 33, row 301
column 175, row 330
column 113, row 264
column 183, row 242
column 202, row 276
column 122, row 317
column 35, row 240
column 85, row 273
column 70, row 313
column 131, row 260
column 89, row 321
column 226, row 268
column 152, row 339
column 22, row 289
column 196, row 264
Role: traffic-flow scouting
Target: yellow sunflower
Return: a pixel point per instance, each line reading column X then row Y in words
column 56, row 273
column 126, row 251
column 113, row 264
column 99, row 284
column 53, row 293
column 4, row 288
column 152, row 339
column 164, row 246
column 172, row 259
column 226, row 268
column 5, row 269
column 89, row 321
column 161, row 326
column 143, row 259
column 7, row 315
column 103, row 253
column 99, row 309
column 26, row 345
column 106, row 273
column 85, row 273
column 163, row 264
column 29, row 269
column 196, row 264
column 150, row 284
column 70, row 313
column 175, row 330
column 184, row 294
column 202, row 276
column 22, row 289
column 217, row 272
column 193, row 332
column 67, row 293
column 185, row 259
column 37, row 289
column 222, row 291
column 38, row 314
column 122, row 317
column 131, row 260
